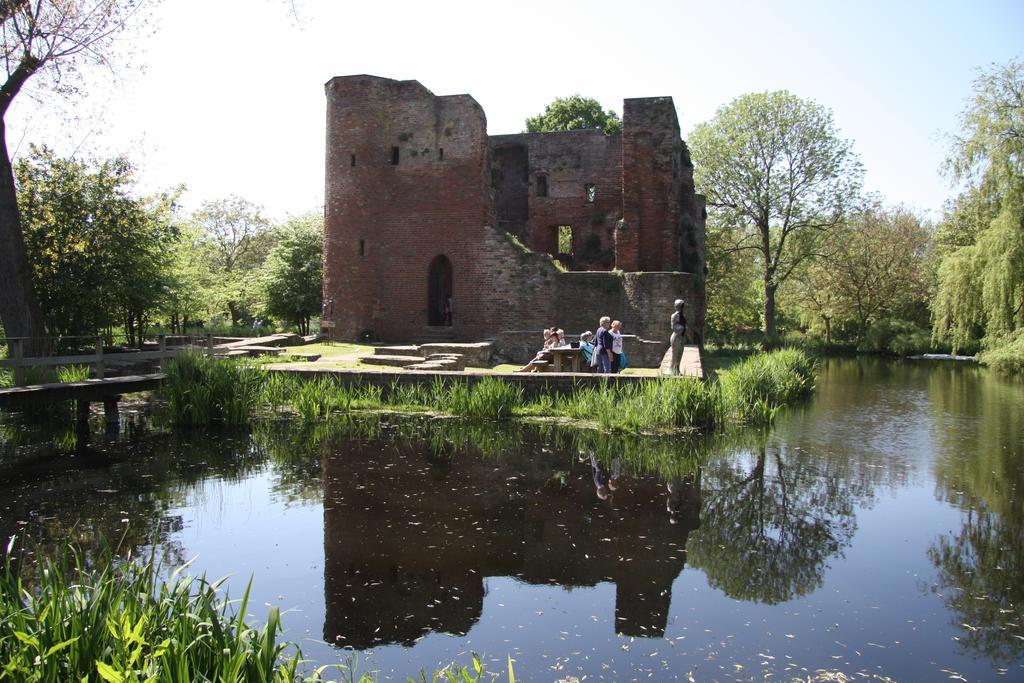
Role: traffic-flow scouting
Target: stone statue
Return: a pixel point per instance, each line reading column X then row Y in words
column 678, row 339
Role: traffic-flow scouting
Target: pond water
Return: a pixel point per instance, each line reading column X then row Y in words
column 877, row 529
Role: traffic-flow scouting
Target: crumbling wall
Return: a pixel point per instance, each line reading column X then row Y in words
column 565, row 171
column 653, row 176
column 530, row 293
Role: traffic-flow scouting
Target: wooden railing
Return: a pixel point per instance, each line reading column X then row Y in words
column 98, row 360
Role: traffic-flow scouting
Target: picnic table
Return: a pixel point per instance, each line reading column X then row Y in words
column 565, row 355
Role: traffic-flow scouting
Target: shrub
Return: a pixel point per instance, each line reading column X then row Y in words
column 1005, row 354
column 897, row 337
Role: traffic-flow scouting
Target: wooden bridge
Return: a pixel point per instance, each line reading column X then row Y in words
column 84, row 391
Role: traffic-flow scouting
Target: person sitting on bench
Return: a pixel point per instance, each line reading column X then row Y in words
column 544, row 356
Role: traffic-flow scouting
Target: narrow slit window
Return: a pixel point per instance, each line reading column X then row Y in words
column 591, row 189
column 542, row 186
column 353, row 161
column 362, row 247
column 394, row 156
column 565, row 240
column 440, row 154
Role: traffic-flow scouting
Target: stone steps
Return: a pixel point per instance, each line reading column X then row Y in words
column 397, row 361
column 436, row 334
column 396, row 350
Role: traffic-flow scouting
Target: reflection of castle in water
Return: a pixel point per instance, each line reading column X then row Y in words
column 409, row 539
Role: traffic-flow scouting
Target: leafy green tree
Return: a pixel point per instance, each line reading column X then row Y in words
column 98, row 254
column 980, row 277
column 874, row 265
column 236, row 239
column 574, row 113
column 774, row 168
column 189, row 288
column 733, row 286
column 294, row 283
column 53, row 38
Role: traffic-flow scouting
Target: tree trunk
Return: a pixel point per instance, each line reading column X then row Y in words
column 769, row 311
column 828, row 328
column 19, row 307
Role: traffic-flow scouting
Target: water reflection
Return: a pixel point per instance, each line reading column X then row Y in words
column 412, row 534
column 981, row 566
column 773, row 519
column 886, row 511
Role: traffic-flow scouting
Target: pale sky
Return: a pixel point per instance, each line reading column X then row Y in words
column 230, row 98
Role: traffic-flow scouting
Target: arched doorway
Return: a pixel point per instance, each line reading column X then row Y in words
column 439, row 291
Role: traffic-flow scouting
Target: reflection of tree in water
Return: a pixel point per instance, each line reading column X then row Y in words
column 980, row 572
column 119, row 492
column 771, row 521
column 981, row 567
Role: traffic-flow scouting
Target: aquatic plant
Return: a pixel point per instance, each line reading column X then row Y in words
column 121, row 623
column 201, row 390
column 488, row 398
column 72, row 373
column 754, row 389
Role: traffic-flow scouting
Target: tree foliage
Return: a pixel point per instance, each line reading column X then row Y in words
column 574, row 113
column 294, row 283
column 98, row 253
column 980, row 279
column 235, row 240
column 874, row 265
column 774, row 168
column 734, row 294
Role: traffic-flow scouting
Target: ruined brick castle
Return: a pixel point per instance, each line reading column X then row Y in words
column 436, row 230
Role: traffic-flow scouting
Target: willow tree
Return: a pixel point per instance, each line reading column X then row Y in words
column 774, row 167
column 51, row 40
column 980, row 283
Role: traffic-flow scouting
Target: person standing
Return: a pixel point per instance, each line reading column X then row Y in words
column 616, row 335
column 603, row 346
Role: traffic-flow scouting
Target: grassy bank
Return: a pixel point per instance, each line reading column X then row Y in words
column 199, row 390
column 121, row 624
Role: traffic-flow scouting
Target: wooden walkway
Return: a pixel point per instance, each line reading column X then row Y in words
column 86, row 390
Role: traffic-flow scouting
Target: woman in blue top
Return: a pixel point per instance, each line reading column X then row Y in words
column 603, row 346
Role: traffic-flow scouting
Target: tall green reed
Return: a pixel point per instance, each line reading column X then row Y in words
column 201, row 390
column 121, row 623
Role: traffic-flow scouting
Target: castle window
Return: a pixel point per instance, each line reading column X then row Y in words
column 362, row 247
column 353, row 161
column 440, row 154
column 565, row 240
column 542, row 186
column 394, row 156
column 591, row 189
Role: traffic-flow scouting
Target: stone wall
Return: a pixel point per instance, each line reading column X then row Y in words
column 553, row 190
